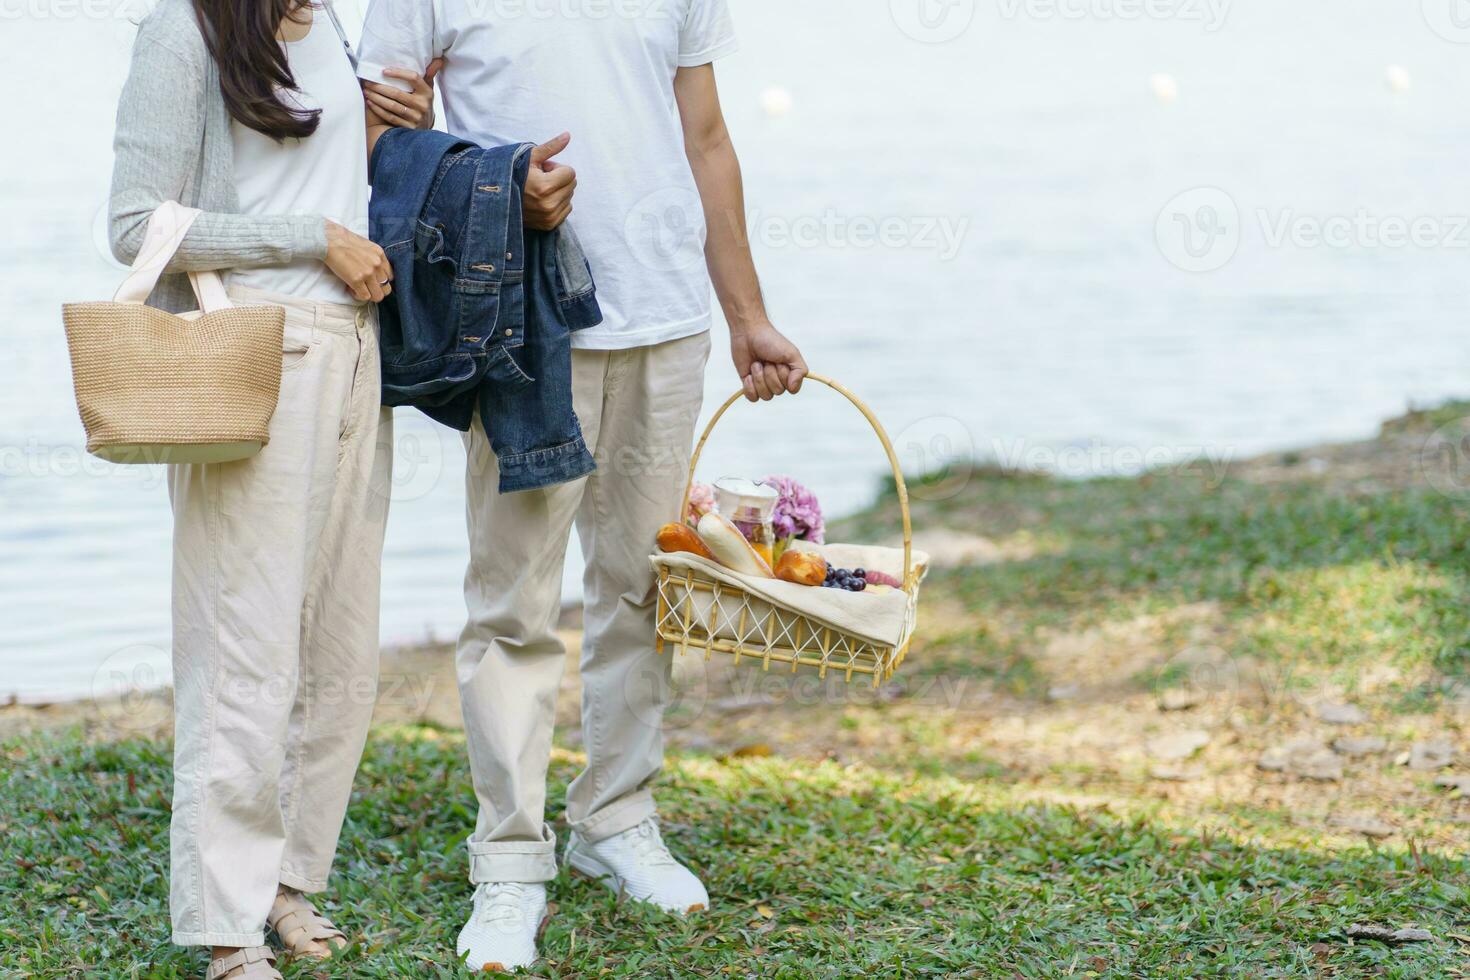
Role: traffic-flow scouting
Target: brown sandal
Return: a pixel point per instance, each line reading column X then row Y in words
column 253, row 963
column 302, row 929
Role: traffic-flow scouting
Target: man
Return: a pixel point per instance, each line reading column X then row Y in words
column 660, row 213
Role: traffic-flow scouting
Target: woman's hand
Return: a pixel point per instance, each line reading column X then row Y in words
column 359, row 263
column 407, row 110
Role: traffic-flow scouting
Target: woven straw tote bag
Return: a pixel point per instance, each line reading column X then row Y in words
column 157, row 387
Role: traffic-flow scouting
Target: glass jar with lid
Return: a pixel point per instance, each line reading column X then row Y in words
column 750, row 506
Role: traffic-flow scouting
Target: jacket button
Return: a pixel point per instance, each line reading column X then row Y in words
column 510, row 333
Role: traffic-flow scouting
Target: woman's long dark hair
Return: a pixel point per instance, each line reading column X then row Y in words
column 241, row 35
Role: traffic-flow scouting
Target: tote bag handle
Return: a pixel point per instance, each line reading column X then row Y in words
column 166, row 230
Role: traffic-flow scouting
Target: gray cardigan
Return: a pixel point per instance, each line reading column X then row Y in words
column 173, row 143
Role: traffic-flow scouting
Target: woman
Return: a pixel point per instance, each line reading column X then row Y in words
column 250, row 111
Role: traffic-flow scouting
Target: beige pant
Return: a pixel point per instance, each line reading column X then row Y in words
column 275, row 609
column 637, row 408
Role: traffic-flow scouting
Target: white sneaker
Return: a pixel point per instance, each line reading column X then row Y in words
column 637, row 865
column 504, row 926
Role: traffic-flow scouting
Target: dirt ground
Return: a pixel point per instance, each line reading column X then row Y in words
column 1235, row 742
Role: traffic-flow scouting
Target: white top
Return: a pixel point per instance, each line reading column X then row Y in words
column 603, row 70
column 324, row 174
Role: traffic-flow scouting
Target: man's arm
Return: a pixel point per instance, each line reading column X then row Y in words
column 768, row 363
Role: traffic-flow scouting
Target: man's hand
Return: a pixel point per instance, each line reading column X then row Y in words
column 549, row 186
column 768, row 363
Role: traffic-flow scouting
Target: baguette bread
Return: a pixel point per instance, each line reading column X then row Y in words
column 730, row 547
column 681, row 538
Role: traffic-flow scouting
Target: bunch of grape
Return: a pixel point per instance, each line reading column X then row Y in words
column 851, row 580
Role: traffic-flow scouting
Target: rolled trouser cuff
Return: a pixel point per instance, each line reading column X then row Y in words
column 616, row 817
column 513, row 860
column 303, row 884
column 239, row 940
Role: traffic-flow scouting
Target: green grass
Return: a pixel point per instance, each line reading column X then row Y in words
column 1331, row 581
column 819, row 871
column 933, row 856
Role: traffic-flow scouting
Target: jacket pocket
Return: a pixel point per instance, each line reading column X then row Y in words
column 429, row 244
column 478, row 314
column 503, row 371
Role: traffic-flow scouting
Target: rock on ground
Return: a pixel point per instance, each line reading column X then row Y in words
column 1305, row 758
column 1428, row 756
column 1359, row 746
column 1384, row 934
column 1460, row 784
column 1361, row 823
column 1179, row 699
column 1177, row 746
column 1341, row 714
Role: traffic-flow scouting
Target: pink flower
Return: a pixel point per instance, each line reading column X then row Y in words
column 797, row 515
column 701, row 502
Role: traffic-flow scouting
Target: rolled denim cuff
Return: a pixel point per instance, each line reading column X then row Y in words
column 617, row 816
column 545, row 467
column 513, row 860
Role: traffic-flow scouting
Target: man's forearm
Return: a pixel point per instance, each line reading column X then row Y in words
column 768, row 364
column 727, row 248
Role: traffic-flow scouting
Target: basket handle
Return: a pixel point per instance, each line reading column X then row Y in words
column 898, row 481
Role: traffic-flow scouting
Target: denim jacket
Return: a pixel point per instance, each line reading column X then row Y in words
column 482, row 309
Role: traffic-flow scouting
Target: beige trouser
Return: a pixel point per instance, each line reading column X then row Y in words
column 637, row 408
column 275, row 609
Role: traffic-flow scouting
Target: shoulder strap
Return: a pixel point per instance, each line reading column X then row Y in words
column 341, row 34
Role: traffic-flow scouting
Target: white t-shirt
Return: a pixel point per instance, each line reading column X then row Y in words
column 603, row 70
column 324, row 174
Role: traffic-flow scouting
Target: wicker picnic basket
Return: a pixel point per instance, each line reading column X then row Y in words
column 703, row 606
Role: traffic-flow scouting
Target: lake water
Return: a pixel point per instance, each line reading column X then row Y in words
column 988, row 238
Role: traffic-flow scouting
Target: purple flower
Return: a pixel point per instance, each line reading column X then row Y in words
column 797, row 515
